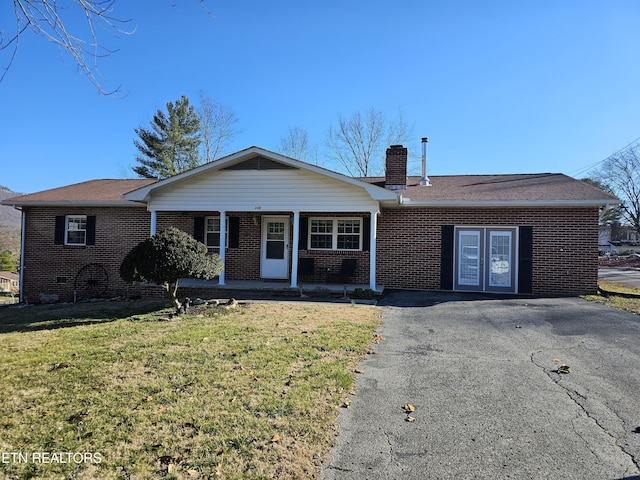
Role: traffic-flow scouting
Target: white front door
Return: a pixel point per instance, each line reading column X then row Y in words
column 274, row 257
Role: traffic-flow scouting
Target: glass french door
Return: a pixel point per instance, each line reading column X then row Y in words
column 485, row 259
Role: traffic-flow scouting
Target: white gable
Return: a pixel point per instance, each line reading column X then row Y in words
column 258, row 180
column 262, row 190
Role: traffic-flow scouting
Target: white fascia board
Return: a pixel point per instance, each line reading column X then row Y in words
column 143, row 194
column 509, row 203
column 71, row 204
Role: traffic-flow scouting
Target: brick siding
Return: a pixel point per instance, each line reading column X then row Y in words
column 565, row 245
column 46, row 265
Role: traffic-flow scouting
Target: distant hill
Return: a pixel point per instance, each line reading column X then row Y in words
column 10, row 220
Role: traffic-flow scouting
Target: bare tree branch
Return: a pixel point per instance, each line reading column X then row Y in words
column 621, row 172
column 217, row 127
column 356, row 142
column 50, row 19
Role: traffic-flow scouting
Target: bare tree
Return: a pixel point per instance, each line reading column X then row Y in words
column 621, row 172
column 356, row 140
column 399, row 132
column 217, row 127
column 295, row 144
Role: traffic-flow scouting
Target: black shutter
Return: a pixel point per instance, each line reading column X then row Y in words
column 366, row 234
column 91, row 230
column 59, row 231
column 446, row 255
column 234, row 232
column 303, row 234
column 198, row 228
column 525, row 260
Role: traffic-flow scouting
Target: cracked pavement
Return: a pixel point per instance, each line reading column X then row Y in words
column 483, row 375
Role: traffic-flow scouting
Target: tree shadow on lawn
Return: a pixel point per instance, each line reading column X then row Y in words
column 61, row 315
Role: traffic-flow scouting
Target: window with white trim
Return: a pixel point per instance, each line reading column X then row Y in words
column 212, row 232
column 335, row 233
column 76, row 230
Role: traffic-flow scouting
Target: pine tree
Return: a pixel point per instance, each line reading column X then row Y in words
column 171, row 144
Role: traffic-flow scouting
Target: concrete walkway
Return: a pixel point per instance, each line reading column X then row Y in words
column 490, row 403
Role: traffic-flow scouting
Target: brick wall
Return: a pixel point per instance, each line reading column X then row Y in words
column 48, row 266
column 243, row 263
column 565, row 245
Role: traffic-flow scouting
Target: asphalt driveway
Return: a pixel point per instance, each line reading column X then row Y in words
column 490, row 403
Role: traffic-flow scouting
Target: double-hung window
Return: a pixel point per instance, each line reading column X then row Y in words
column 335, row 233
column 212, row 232
column 76, row 230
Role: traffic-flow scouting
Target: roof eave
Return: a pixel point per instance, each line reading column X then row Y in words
column 509, row 203
column 72, row 203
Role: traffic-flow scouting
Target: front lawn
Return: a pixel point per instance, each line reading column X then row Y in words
column 125, row 390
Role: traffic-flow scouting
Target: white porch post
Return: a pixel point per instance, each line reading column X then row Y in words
column 372, row 250
column 294, row 250
column 154, row 222
column 223, row 245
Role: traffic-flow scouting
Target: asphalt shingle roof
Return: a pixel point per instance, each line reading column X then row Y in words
column 105, row 191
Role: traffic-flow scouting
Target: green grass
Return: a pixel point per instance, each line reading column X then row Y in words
column 248, row 393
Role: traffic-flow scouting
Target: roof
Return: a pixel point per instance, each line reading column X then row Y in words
column 10, row 276
column 538, row 189
column 105, row 192
column 511, row 189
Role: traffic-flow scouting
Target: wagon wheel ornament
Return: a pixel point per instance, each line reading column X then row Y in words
column 91, row 281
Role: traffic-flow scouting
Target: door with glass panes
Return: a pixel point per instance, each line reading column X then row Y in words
column 274, row 257
column 485, row 259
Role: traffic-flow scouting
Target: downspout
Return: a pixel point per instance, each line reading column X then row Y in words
column 373, row 249
column 23, row 227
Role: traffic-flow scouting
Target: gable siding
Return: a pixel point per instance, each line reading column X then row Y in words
column 264, row 190
column 564, row 258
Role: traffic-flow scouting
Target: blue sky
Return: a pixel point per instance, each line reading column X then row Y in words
column 497, row 86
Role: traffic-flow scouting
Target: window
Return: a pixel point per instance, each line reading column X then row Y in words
column 212, row 232
column 335, row 233
column 76, row 231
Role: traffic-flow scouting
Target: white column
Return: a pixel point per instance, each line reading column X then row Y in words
column 154, row 222
column 372, row 250
column 223, row 245
column 294, row 250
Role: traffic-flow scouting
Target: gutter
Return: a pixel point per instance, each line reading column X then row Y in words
column 118, row 203
column 508, row 203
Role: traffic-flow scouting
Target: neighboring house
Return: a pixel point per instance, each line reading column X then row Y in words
column 9, row 282
column 279, row 218
column 616, row 235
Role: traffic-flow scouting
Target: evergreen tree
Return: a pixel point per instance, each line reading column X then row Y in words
column 171, row 144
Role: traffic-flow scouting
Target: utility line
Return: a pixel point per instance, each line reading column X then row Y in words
column 593, row 165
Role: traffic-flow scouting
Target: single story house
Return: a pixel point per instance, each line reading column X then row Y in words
column 271, row 217
column 9, row 282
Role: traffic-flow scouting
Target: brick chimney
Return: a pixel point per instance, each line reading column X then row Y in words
column 396, row 168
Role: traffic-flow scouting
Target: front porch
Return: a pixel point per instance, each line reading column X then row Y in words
column 246, row 289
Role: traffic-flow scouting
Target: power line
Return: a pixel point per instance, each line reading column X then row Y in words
column 593, row 165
